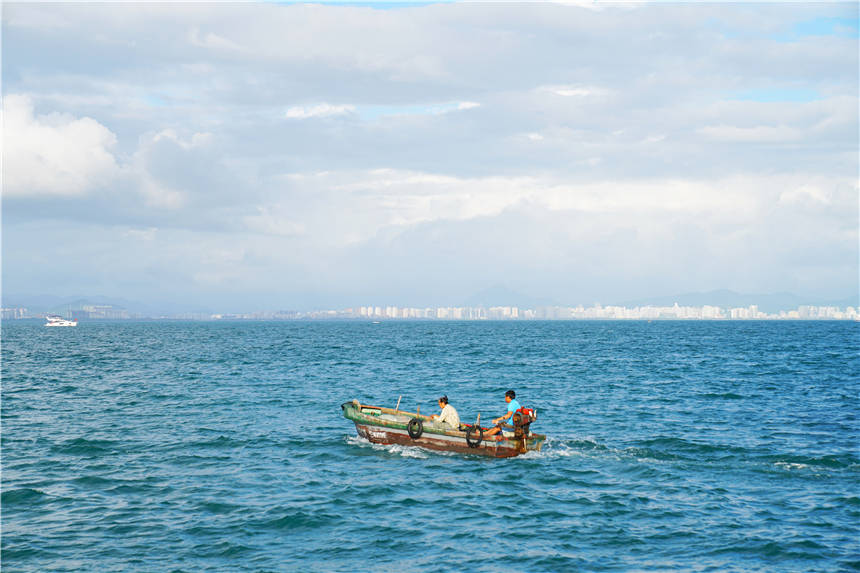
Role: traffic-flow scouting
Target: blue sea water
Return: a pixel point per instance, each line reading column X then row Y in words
column 683, row 446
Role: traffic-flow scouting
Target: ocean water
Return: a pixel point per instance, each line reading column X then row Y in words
column 682, row 446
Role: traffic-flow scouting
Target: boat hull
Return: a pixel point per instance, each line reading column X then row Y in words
column 389, row 427
column 59, row 321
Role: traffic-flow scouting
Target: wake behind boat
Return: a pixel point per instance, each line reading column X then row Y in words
column 381, row 425
column 59, row 321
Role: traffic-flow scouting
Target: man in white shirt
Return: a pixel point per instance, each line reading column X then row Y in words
column 448, row 415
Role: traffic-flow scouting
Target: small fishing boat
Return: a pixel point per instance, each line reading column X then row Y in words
column 59, row 321
column 381, row 425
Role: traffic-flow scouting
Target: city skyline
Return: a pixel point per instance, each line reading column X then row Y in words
column 498, row 296
column 260, row 154
column 464, row 313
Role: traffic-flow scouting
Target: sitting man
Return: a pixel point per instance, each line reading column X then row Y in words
column 513, row 406
column 448, row 415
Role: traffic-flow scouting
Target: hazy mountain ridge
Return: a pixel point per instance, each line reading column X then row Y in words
column 60, row 304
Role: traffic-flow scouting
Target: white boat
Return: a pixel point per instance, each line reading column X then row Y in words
column 59, row 321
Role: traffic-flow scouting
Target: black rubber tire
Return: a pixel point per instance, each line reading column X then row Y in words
column 469, row 432
column 415, row 427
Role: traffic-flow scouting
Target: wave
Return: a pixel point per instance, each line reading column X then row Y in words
column 795, row 549
column 85, row 447
column 724, row 396
column 23, row 496
column 218, row 508
column 830, row 461
column 675, row 445
column 221, row 442
column 566, row 448
column 657, row 450
column 94, row 481
column 286, row 519
column 395, row 449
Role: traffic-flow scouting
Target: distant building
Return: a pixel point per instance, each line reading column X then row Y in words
column 13, row 313
column 595, row 312
column 100, row 311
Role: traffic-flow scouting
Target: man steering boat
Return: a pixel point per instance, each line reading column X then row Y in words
column 513, row 406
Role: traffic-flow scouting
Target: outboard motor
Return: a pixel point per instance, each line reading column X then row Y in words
column 522, row 419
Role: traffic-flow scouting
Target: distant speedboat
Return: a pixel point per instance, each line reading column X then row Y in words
column 59, row 321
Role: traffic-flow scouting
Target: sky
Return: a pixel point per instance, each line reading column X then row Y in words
column 250, row 156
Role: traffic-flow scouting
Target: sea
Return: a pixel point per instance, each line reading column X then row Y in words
column 221, row 446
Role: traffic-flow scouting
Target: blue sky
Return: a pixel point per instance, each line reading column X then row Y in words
column 283, row 155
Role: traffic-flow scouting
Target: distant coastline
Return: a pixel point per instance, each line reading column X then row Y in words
column 466, row 313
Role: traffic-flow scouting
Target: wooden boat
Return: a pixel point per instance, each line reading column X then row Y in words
column 381, row 425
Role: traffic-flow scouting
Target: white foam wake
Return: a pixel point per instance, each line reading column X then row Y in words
column 396, row 449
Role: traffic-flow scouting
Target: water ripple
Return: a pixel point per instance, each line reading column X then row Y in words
column 200, row 446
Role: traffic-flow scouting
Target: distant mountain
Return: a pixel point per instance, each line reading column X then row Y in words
column 500, row 295
column 37, row 304
column 769, row 303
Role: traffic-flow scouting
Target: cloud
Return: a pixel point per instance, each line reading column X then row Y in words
column 53, row 154
column 159, row 195
column 574, row 91
column 319, row 110
column 438, row 109
column 213, row 41
column 167, row 169
column 389, row 198
column 273, row 220
column 196, row 140
column 339, row 145
column 757, row 134
column 806, row 193
column 141, row 234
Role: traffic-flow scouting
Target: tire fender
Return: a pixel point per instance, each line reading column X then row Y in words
column 471, row 430
column 415, row 428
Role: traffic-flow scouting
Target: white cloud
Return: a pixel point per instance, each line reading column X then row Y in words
column 654, row 139
column 147, row 235
column 220, row 266
column 213, row 41
column 596, row 5
column 196, row 140
column 592, row 125
column 273, row 220
column 319, row 110
column 45, row 20
column 397, row 198
column 574, row 91
column 153, row 168
column 159, row 195
column 806, row 193
column 757, row 134
column 373, row 112
column 55, row 154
